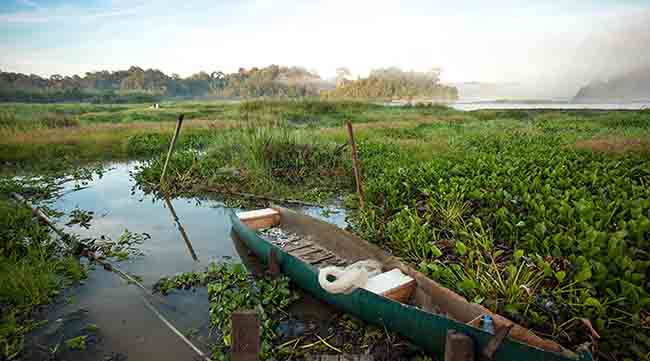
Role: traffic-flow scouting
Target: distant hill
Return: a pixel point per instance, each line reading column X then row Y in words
column 633, row 86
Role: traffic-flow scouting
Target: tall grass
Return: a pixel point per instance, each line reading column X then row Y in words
column 264, row 160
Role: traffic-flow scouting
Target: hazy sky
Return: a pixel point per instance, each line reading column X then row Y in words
column 555, row 42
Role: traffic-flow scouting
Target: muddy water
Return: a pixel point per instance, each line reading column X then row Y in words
column 127, row 328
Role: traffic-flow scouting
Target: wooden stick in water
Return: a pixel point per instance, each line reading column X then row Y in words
column 45, row 219
column 355, row 165
column 110, row 267
column 180, row 228
column 179, row 123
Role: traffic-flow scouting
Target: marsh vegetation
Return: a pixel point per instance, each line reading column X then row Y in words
column 542, row 216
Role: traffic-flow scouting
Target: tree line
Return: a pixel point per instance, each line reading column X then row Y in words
column 138, row 85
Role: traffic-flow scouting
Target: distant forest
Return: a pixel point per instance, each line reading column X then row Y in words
column 394, row 83
column 137, row 85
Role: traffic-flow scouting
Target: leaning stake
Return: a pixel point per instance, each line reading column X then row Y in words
column 179, row 123
column 355, row 165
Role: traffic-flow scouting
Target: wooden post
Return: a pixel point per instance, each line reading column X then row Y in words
column 458, row 347
column 179, row 123
column 274, row 266
column 355, row 165
column 245, row 336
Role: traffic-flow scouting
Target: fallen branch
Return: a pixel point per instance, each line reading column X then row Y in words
column 45, row 219
column 109, row 267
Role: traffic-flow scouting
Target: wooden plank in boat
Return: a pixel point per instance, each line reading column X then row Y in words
column 297, row 246
column 336, row 261
column 321, row 259
column 316, row 255
column 306, row 251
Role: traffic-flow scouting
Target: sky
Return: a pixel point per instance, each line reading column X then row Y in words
column 560, row 44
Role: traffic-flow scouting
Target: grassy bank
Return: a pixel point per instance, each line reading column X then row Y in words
column 542, row 216
column 33, row 270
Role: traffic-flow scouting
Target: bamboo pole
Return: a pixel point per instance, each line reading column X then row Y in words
column 179, row 123
column 355, row 165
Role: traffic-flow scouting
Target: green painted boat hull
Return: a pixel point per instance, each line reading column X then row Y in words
column 427, row 330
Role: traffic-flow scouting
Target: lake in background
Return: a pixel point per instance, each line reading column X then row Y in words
column 478, row 105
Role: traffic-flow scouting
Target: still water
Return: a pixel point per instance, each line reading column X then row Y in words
column 469, row 106
column 127, row 328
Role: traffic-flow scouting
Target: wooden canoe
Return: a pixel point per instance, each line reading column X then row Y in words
column 425, row 319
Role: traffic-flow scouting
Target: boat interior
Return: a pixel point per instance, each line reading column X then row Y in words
column 320, row 253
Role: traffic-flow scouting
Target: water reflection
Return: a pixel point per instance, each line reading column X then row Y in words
column 181, row 229
column 127, row 328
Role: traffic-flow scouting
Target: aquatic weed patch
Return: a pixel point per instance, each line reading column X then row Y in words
column 542, row 234
column 236, row 289
column 232, row 288
column 124, row 247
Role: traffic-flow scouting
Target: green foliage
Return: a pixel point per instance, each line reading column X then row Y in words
column 237, row 290
column 76, row 343
column 231, row 288
column 584, row 218
column 137, row 85
column 127, row 245
column 275, row 161
column 32, row 272
column 185, row 280
column 512, row 217
column 271, row 81
column 392, row 82
column 303, row 112
column 80, row 217
column 91, row 327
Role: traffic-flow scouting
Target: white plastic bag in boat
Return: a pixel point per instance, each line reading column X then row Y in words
column 349, row 278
